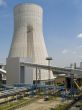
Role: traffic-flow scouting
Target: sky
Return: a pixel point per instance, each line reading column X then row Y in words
column 62, row 27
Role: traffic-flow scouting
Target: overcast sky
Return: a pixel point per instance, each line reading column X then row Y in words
column 62, row 25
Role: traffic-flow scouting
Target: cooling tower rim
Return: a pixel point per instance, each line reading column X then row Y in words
column 22, row 4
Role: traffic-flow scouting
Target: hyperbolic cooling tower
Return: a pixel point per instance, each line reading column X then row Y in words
column 28, row 38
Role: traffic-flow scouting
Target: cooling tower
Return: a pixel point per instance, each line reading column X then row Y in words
column 28, row 40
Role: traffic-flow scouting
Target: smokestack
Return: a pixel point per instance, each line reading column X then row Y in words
column 75, row 65
column 81, row 65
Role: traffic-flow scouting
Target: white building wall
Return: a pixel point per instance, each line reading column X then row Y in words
column 28, row 75
column 13, row 70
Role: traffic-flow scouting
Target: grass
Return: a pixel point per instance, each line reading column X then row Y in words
column 11, row 104
column 60, row 107
column 18, row 104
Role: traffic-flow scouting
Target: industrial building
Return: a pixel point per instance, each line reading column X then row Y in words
column 74, row 73
column 20, row 73
column 28, row 46
column 28, row 41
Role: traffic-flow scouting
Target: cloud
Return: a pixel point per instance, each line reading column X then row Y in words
column 74, row 52
column 80, row 46
column 79, row 35
column 2, row 2
column 80, row 56
column 64, row 51
column 78, row 3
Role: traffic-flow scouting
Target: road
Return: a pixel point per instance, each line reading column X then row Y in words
column 41, row 105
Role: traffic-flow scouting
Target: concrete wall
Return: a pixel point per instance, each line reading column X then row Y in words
column 18, row 73
column 13, row 70
column 28, row 75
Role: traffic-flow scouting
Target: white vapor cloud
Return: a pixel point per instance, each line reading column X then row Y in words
column 2, row 2
column 64, row 51
column 79, row 35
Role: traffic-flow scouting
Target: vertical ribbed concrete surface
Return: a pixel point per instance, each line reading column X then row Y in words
column 28, row 38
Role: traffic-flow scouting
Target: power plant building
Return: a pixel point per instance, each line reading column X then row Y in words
column 28, row 41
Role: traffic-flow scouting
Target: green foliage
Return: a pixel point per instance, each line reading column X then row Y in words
column 60, row 107
column 10, row 105
column 60, row 84
column 18, row 104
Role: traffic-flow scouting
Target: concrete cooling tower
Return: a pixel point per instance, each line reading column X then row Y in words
column 28, row 40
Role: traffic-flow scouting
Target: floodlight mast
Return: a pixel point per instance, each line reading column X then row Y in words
column 49, row 61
